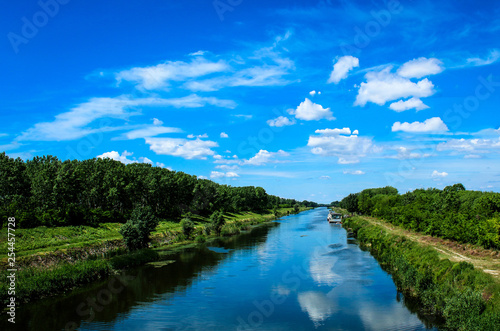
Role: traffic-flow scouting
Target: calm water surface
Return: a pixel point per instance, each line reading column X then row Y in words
column 299, row 273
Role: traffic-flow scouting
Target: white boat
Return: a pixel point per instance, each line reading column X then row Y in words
column 335, row 218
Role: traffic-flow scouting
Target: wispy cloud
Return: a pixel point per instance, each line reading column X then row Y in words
column 75, row 123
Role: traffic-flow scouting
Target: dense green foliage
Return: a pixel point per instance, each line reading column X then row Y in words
column 48, row 192
column 467, row 299
column 217, row 222
column 452, row 213
column 138, row 228
column 187, row 227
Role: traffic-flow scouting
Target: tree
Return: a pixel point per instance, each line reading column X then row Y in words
column 217, row 220
column 350, row 203
column 138, row 228
column 296, row 208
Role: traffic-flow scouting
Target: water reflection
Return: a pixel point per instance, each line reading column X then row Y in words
column 297, row 274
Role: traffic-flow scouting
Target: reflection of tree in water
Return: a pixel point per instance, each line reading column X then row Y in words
column 149, row 284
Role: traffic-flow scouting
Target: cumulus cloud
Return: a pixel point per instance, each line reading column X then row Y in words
column 349, row 148
column 310, row 111
column 280, row 121
column 383, row 86
column 434, row 124
column 187, row 149
column 342, row 67
column 334, row 132
column 157, row 121
column 224, row 135
column 408, row 104
column 123, row 158
column 218, row 174
column 421, row 67
column 263, row 157
column 353, row 172
column 437, row 174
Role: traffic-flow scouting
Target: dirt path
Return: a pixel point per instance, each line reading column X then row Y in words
column 484, row 259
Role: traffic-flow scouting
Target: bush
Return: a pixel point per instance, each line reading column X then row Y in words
column 138, row 228
column 217, row 220
column 187, row 227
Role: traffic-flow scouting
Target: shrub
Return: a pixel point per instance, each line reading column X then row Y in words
column 138, row 228
column 217, row 220
column 187, row 227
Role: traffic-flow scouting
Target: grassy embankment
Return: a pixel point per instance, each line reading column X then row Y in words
column 50, row 261
column 466, row 297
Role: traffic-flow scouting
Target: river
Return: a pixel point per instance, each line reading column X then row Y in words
column 298, row 273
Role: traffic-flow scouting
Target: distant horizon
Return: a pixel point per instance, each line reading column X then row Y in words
column 311, row 101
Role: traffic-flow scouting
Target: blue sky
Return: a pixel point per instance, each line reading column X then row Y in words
column 308, row 99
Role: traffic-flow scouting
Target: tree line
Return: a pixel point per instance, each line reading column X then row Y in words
column 50, row 192
column 452, row 213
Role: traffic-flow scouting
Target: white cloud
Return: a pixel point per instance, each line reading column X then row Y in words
column 310, row 111
column 224, row 135
column 325, row 177
column 187, row 149
column 405, row 153
column 218, row 174
column 348, row 148
column 280, row 121
column 263, row 157
column 334, row 132
column 157, row 121
column 408, row 104
column 476, row 145
column 434, row 124
column 342, row 67
column 418, row 68
column 312, row 93
column 192, row 136
column 149, row 131
column 492, row 58
column 74, row 124
column 227, row 167
column 437, row 174
column 160, row 75
column 472, row 156
column 353, row 172
column 383, row 86
column 123, row 158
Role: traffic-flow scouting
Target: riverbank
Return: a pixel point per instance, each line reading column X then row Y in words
column 465, row 297
column 52, row 261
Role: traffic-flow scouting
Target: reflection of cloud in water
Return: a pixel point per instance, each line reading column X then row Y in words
column 317, row 305
column 387, row 317
column 321, row 269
